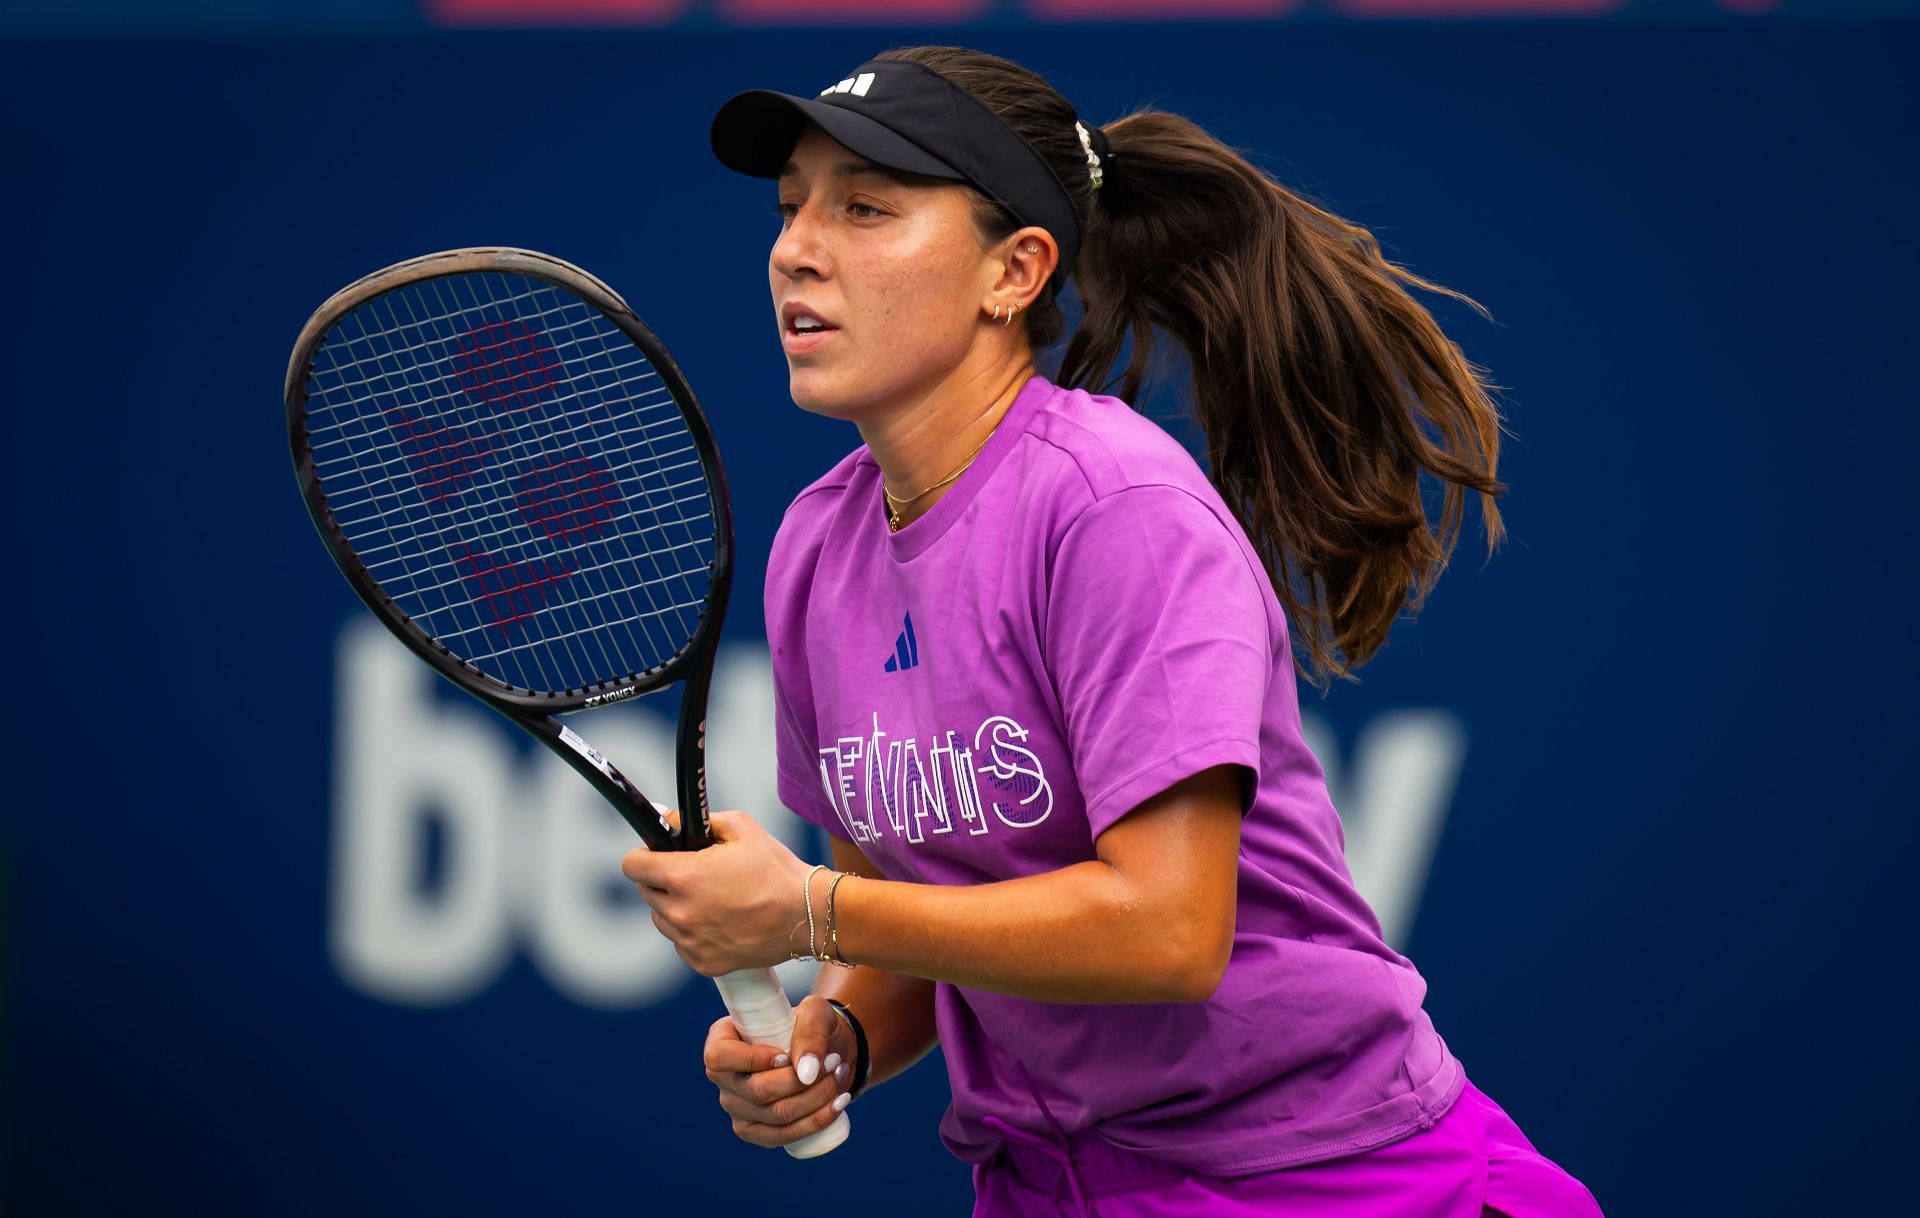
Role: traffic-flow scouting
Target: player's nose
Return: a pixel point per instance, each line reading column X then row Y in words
column 801, row 247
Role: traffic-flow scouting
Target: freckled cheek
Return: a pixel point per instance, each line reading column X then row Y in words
column 891, row 317
column 924, row 313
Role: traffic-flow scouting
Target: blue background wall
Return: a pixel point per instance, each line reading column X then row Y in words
column 1663, row 920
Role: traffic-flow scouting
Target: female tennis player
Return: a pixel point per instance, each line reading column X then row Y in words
column 1035, row 672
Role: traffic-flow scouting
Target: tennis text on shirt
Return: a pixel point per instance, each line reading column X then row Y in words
column 878, row 779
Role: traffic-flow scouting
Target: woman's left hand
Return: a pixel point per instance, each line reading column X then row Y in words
column 730, row 906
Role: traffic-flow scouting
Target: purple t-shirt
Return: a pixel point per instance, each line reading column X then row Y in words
column 1075, row 626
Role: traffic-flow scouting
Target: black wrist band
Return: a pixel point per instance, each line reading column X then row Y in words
column 861, row 1062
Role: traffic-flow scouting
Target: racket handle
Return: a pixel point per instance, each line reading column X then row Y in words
column 760, row 1010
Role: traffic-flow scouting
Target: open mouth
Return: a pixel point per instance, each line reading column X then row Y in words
column 802, row 322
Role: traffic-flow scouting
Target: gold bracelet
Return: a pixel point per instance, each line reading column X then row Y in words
column 806, row 893
column 833, row 926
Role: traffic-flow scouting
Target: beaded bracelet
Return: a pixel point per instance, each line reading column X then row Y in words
column 806, row 893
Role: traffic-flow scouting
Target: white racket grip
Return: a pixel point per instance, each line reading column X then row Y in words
column 758, row 1004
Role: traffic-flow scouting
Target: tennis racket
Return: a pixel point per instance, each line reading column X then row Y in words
column 513, row 475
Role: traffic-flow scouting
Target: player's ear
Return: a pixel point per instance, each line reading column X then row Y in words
column 1024, row 262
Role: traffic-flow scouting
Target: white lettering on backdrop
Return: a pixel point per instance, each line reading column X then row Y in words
column 457, row 843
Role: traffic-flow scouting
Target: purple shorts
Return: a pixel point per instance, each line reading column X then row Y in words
column 1475, row 1158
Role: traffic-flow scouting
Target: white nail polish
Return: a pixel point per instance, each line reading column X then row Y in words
column 780, row 1059
column 808, row 1069
column 841, row 1101
column 831, row 1064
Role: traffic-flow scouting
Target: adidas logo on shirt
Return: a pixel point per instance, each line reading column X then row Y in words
column 906, row 649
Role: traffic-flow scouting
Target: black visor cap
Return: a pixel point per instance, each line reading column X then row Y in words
column 902, row 116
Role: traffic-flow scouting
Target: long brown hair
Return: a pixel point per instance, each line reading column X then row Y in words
column 1324, row 388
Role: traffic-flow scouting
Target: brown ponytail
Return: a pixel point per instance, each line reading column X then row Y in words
column 1324, row 388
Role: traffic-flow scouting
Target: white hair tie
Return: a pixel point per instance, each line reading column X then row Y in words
column 1093, row 158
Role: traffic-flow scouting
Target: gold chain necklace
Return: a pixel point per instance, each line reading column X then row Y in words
column 896, row 502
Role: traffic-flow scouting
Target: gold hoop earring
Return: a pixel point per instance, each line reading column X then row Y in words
column 996, row 312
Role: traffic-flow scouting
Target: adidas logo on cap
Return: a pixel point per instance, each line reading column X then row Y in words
column 856, row 85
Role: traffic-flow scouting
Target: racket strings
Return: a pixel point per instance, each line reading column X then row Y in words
column 511, row 470
column 509, row 592
column 514, row 592
column 668, row 510
column 387, row 508
column 505, row 590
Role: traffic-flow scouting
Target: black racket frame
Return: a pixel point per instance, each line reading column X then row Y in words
column 534, row 710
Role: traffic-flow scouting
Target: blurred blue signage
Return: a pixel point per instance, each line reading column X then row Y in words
column 289, row 927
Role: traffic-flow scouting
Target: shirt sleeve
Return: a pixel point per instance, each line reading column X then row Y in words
column 1161, row 638
column 790, row 569
column 797, row 762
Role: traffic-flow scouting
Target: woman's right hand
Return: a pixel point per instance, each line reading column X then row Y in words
column 761, row 1086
